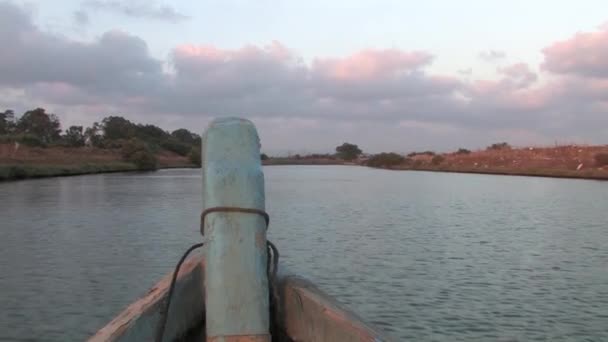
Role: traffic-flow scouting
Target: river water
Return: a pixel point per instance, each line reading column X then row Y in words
column 423, row 256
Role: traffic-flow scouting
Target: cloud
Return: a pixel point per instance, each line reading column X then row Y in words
column 372, row 64
column 492, row 56
column 115, row 63
column 384, row 97
column 138, row 9
column 585, row 54
column 466, row 71
column 81, row 17
column 520, row 74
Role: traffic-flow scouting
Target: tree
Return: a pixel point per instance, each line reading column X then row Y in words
column 7, row 121
column 264, row 156
column 74, row 136
column 184, row 136
column 348, row 151
column 135, row 151
column 117, row 127
column 150, row 133
column 39, row 123
column 92, row 135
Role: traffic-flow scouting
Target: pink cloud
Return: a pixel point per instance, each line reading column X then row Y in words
column 584, row 54
column 370, row 63
column 274, row 51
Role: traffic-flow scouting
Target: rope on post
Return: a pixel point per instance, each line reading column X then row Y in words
column 272, row 268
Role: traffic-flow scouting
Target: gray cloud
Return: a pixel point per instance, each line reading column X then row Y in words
column 492, row 56
column 138, row 9
column 116, row 63
column 381, row 97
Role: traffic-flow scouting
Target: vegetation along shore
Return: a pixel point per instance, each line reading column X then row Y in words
column 567, row 161
column 33, row 145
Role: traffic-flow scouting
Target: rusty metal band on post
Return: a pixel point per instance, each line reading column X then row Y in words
column 232, row 210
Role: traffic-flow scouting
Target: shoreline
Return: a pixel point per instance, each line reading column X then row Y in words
column 564, row 174
column 16, row 172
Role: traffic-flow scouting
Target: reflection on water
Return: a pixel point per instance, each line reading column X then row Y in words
column 425, row 256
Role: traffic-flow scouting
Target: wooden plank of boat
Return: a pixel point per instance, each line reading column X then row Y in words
column 139, row 320
column 305, row 313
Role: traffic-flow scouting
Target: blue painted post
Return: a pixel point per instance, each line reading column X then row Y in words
column 236, row 283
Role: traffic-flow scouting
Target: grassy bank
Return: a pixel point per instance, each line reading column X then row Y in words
column 15, row 172
column 27, row 162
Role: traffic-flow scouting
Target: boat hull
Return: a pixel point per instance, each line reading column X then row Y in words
column 304, row 312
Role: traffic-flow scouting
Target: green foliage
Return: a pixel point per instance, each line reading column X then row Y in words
column 37, row 122
column 386, row 160
column 116, row 127
column 7, row 121
column 463, row 151
column 601, row 159
column 425, row 153
column 92, row 135
column 175, row 146
column 438, row 159
column 135, row 151
column 74, row 136
column 184, row 136
column 10, row 172
column 264, row 156
column 25, row 139
column 31, row 140
column 499, row 146
column 348, row 151
column 195, row 155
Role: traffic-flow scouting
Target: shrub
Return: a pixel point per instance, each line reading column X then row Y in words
column 112, row 143
column 463, row 151
column 136, row 152
column 601, row 159
column 438, row 159
column 176, row 146
column 195, row 156
column 425, row 153
column 264, row 156
column 385, row 160
column 499, row 146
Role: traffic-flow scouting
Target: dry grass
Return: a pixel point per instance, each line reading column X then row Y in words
column 572, row 161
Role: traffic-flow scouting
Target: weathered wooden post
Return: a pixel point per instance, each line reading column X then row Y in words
column 236, row 283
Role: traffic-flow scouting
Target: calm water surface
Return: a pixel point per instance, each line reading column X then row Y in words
column 423, row 256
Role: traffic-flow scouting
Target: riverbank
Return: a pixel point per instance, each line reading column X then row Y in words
column 24, row 162
column 569, row 161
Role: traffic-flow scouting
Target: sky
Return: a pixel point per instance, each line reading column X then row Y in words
column 387, row 75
